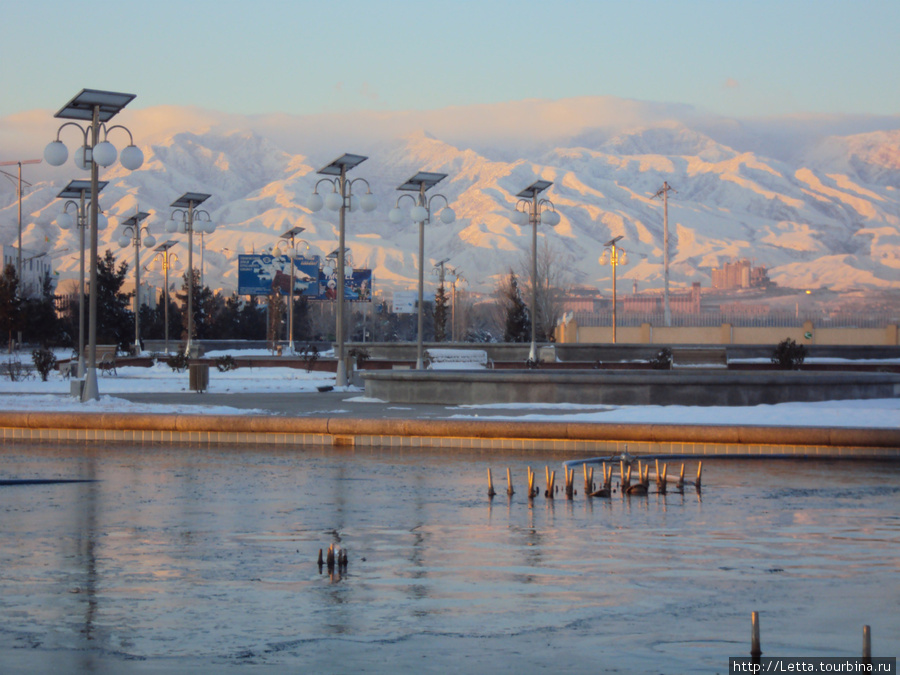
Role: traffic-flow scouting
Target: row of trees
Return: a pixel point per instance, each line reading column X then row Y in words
column 217, row 316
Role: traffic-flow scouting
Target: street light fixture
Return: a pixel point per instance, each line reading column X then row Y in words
column 290, row 236
column 341, row 199
column 98, row 107
column 615, row 256
column 131, row 234
column 168, row 260
column 530, row 209
column 421, row 213
column 185, row 208
column 80, row 190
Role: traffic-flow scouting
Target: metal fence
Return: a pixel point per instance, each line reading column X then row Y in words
column 712, row 319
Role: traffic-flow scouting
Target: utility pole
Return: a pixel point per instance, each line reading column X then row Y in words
column 19, row 182
column 664, row 193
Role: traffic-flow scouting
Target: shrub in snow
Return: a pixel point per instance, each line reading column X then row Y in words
column 178, row 362
column 788, row 355
column 226, row 363
column 663, row 360
column 44, row 362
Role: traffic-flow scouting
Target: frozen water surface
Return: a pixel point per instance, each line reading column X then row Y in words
column 204, row 559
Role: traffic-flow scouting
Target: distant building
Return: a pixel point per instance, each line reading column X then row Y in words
column 740, row 274
column 680, row 302
column 36, row 268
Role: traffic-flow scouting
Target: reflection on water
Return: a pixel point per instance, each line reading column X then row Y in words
column 179, row 558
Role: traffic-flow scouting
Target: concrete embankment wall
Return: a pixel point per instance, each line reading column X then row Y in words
column 577, row 439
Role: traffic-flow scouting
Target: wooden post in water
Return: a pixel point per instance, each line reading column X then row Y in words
column 509, row 485
column 699, row 472
column 491, row 492
column 645, row 479
column 570, row 483
column 680, row 483
column 867, row 645
column 622, row 473
column 661, row 486
column 626, row 481
column 607, row 478
column 550, row 483
column 531, row 488
column 755, row 650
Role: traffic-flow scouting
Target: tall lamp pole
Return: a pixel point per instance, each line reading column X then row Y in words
column 421, row 213
column 289, row 236
column 168, row 259
column 341, row 199
column 530, row 209
column 664, row 193
column 186, row 208
column 99, row 107
column 80, row 190
column 615, row 256
column 131, row 234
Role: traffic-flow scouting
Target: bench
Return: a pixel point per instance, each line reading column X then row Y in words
column 106, row 359
column 457, row 359
column 707, row 357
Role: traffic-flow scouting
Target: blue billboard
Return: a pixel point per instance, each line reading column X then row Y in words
column 258, row 273
column 357, row 287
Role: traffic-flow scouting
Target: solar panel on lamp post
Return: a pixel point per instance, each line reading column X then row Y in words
column 341, row 199
column 80, row 190
column 534, row 211
column 98, row 107
column 186, row 207
column 131, row 234
column 421, row 213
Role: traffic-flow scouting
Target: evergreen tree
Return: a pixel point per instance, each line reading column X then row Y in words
column 518, row 323
column 10, row 303
column 203, row 307
column 252, row 320
column 440, row 314
column 115, row 322
column 41, row 325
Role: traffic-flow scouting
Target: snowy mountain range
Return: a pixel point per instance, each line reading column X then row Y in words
column 815, row 200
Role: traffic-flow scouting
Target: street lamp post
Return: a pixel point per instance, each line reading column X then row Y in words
column 530, row 209
column 290, row 236
column 99, row 107
column 421, row 213
column 131, row 234
column 615, row 256
column 168, row 258
column 186, row 207
column 80, row 190
column 341, row 199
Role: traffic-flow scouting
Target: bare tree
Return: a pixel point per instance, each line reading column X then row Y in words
column 554, row 281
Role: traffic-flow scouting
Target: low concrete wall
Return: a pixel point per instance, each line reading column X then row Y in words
column 686, row 387
column 806, row 334
column 578, row 438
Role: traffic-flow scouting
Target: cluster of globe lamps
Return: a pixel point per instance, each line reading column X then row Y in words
column 99, row 107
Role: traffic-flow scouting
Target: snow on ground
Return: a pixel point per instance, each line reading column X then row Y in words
column 864, row 414
column 34, row 395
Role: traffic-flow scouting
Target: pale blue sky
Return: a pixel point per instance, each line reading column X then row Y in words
column 260, row 56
